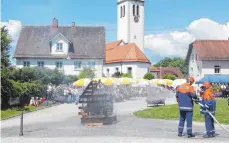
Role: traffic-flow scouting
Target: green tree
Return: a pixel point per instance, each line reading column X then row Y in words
column 173, row 62
column 164, row 62
column 5, row 47
column 86, row 73
column 6, row 85
column 148, row 76
column 70, row 79
column 169, row 76
column 179, row 63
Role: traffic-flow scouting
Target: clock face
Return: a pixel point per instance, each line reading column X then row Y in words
column 136, row 19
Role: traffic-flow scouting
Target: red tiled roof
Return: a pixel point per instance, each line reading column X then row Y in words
column 209, row 50
column 154, row 69
column 125, row 53
column 112, row 45
column 167, row 70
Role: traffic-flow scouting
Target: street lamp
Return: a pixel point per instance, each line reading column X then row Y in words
column 121, row 67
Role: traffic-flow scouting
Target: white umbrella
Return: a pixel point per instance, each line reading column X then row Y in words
column 142, row 82
column 178, row 82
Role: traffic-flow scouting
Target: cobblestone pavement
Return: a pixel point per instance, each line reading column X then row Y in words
column 62, row 124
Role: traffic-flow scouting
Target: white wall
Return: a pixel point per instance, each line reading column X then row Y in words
column 194, row 71
column 208, row 67
column 205, row 67
column 155, row 74
column 138, row 69
column 64, row 47
column 122, row 23
column 127, row 28
column 68, row 65
column 136, row 29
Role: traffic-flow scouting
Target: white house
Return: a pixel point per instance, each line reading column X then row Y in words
column 208, row 57
column 67, row 48
column 70, row 48
column 125, row 58
column 126, row 54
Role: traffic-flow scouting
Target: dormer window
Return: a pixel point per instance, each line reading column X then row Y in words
column 59, row 46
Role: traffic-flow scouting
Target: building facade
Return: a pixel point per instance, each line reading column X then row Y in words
column 206, row 57
column 66, row 48
column 125, row 58
column 130, row 18
column 160, row 72
column 126, row 54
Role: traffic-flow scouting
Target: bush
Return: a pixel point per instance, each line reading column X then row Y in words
column 6, row 87
column 169, row 76
column 126, row 75
column 70, row 79
column 45, row 75
column 148, row 76
column 117, row 75
column 86, row 73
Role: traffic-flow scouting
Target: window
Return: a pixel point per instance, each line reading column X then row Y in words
column 117, row 70
column 121, row 11
column 59, row 65
column 59, row 46
column 133, row 10
column 137, row 10
column 91, row 65
column 77, row 65
column 217, row 69
column 129, row 70
column 26, row 63
column 124, row 11
column 40, row 63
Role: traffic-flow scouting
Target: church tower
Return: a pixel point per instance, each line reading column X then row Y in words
column 130, row 19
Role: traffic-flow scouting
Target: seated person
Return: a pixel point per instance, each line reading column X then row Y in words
column 32, row 101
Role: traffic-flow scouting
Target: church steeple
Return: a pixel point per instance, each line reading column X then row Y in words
column 130, row 18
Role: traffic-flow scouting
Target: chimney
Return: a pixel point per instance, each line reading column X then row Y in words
column 54, row 23
column 73, row 24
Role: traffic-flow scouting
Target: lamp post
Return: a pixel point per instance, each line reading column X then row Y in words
column 21, row 125
column 121, row 67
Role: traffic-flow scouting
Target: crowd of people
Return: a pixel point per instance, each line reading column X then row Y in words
column 36, row 101
column 219, row 90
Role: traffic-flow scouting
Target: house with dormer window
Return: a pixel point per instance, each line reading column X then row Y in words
column 66, row 48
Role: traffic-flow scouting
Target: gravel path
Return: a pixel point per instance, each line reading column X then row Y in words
column 62, row 124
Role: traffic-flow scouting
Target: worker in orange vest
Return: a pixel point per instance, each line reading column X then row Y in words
column 208, row 100
column 185, row 95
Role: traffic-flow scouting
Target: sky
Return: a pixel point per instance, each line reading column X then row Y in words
column 170, row 25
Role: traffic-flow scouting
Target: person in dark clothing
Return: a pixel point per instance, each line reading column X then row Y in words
column 185, row 95
column 209, row 104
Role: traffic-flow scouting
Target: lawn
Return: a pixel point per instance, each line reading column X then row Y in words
column 14, row 111
column 170, row 112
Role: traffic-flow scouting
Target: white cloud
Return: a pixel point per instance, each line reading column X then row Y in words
column 14, row 28
column 176, row 43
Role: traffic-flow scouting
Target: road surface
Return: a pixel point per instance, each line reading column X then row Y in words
column 62, row 124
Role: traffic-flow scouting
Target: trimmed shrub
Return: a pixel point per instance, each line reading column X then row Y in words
column 126, row 75
column 148, row 76
column 169, row 76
